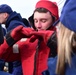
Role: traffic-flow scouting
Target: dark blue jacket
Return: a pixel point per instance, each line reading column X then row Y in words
column 13, row 21
column 52, row 66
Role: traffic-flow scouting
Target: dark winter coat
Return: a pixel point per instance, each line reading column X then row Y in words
column 13, row 21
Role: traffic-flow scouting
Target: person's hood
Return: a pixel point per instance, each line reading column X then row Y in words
column 13, row 16
column 67, row 17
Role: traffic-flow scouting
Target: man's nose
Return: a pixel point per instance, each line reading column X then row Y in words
column 39, row 24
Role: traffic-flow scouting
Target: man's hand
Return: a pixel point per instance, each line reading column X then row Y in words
column 42, row 35
column 17, row 33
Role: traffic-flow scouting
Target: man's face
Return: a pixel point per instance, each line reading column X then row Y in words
column 2, row 17
column 42, row 21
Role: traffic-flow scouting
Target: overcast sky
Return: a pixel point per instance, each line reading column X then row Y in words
column 26, row 7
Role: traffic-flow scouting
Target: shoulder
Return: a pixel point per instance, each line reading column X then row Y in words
column 14, row 24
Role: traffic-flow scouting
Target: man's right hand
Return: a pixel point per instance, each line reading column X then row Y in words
column 17, row 33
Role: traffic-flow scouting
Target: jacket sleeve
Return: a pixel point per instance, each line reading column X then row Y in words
column 6, row 52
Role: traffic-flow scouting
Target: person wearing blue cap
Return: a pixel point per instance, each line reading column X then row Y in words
column 65, row 62
column 11, row 19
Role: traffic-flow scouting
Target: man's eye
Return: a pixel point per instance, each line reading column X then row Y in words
column 44, row 21
column 35, row 21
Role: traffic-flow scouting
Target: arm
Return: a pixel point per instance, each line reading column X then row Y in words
column 12, row 37
column 6, row 52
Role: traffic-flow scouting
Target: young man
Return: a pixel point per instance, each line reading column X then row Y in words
column 11, row 19
column 41, row 43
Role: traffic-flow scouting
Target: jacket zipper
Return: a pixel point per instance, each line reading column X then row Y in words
column 36, row 55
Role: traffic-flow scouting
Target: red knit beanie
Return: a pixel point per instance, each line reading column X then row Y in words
column 51, row 6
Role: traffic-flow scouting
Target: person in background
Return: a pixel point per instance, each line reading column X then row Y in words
column 65, row 62
column 34, row 51
column 11, row 19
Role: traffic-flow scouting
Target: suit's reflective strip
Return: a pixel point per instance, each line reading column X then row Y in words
column 15, row 48
column 23, row 39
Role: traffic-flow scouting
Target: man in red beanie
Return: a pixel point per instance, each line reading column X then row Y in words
column 41, row 40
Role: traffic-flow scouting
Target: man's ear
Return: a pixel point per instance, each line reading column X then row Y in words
column 6, row 15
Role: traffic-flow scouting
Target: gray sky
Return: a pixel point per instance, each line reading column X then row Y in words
column 26, row 7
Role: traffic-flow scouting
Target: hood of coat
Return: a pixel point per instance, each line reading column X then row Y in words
column 13, row 16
